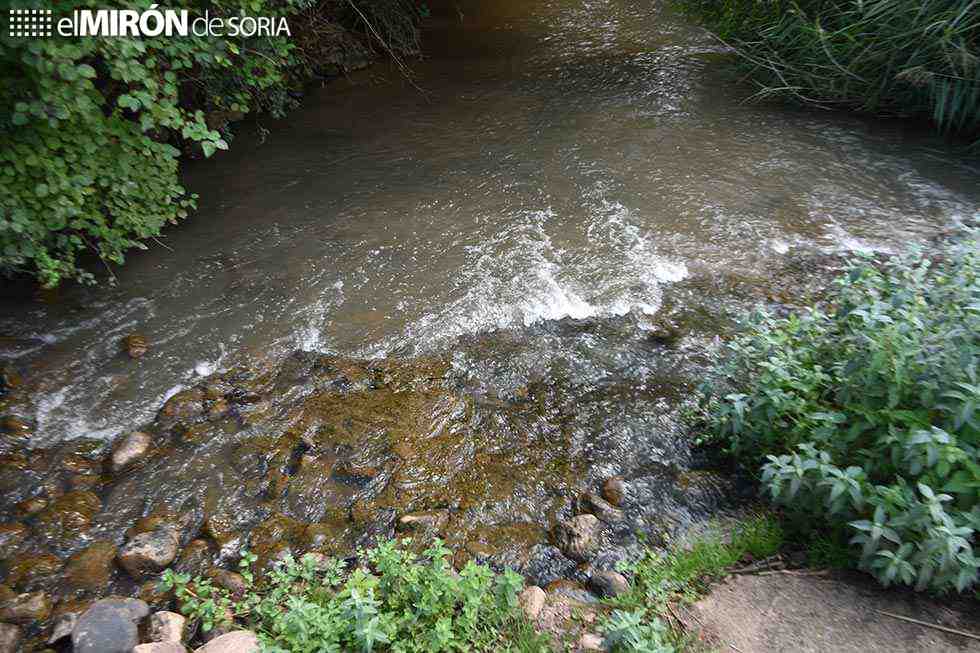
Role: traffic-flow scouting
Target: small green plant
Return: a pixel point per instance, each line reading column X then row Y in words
column 683, row 573
column 863, row 413
column 633, row 632
column 397, row 601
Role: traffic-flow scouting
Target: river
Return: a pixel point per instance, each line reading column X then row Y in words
column 520, row 208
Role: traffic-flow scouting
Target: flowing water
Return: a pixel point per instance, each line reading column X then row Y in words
column 521, row 209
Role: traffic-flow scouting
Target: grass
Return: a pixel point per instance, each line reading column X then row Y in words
column 685, row 573
column 885, row 57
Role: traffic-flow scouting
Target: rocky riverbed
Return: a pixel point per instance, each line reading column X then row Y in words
column 558, row 473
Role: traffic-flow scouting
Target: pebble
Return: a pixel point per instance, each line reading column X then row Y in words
column 129, row 449
column 532, row 600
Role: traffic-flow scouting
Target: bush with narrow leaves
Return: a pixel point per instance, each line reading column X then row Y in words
column 863, row 413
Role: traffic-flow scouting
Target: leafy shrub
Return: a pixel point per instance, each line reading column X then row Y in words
column 399, row 601
column 901, row 57
column 864, row 412
column 91, row 128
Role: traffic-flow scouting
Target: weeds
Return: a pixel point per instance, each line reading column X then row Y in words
column 897, row 57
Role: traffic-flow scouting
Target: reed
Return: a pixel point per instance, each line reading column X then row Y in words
column 886, row 57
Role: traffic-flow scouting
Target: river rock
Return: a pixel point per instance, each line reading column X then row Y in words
column 12, row 535
column 195, row 558
column 10, row 638
column 614, row 490
column 431, row 520
column 531, row 600
column 89, row 570
column 63, row 626
column 129, row 449
column 578, row 537
column 185, row 404
column 135, row 345
column 234, row 583
column 66, row 517
column 601, row 508
column 608, row 584
column 149, row 553
column 547, row 564
column 109, row 626
column 166, row 627
column 591, row 642
column 27, row 572
column 237, row 641
column 26, row 608
column 160, row 647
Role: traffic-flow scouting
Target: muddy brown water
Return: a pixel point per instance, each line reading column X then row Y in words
column 506, row 237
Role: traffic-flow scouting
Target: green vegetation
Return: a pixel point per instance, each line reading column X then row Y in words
column 897, row 57
column 863, row 413
column 684, row 573
column 92, row 128
column 398, row 601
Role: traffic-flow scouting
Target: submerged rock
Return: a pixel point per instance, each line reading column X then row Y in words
column 614, row 490
column 10, row 636
column 89, row 570
column 109, row 626
column 129, row 449
column 26, row 608
column 149, row 553
column 135, row 345
column 578, row 537
column 12, row 535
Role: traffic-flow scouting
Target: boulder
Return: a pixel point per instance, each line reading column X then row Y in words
column 531, row 600
column 614, row 490
column 128, row 450
column 149, row 553
column 26, row 608
column 608, row 584
column 237, row 641
column 109, row 626
column 166, row 627
column 160, row 647
column 10, row 636
column 578, row 537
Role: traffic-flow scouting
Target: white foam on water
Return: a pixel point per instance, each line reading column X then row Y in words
column 519, row 276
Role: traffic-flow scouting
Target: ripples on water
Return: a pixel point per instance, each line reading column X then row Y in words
column 568, row 160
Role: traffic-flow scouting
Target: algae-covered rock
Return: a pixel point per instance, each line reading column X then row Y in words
column 90, row 569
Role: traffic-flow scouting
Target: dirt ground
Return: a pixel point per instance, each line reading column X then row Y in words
column 842, row 612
